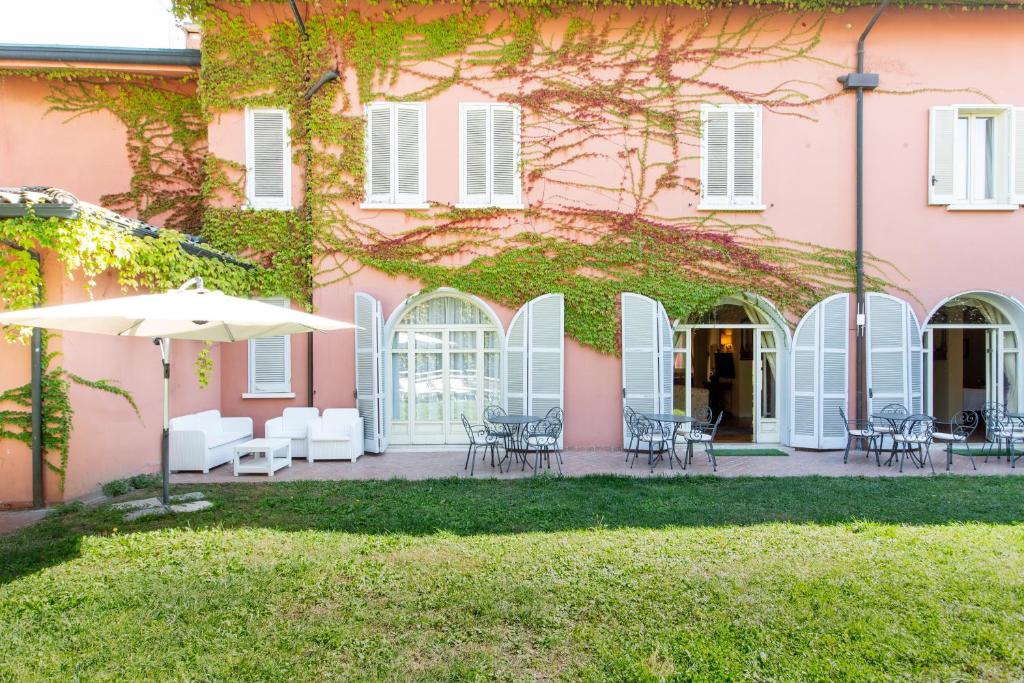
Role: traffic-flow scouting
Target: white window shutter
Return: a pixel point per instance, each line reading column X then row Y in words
column 915, row 361
column 714, row 158
column 820, row 379
column 268, row 159
column 941, row 155
column 835, row 370
column 887, row 342
column 746, row 156
column 505, row 183
column 270, row 361
column 379, row 139
column 545, row 354
column 474, row 158
column 515, row 363
column 1017, row 156
column 666, row 370
column 641, row 350
column 410, row 154
column 369, row 372
column 805, row 420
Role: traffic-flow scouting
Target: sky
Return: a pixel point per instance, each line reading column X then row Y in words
column 112, row 23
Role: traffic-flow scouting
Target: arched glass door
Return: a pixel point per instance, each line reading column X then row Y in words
column 445, row 363
column 972, row 357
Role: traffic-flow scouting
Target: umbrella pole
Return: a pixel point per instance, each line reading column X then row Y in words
column 165, row 452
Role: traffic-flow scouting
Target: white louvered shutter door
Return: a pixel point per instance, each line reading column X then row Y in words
column 379, row 139
column 504, row 155
column 369, row 372
column 915, row 361
column 640, row 350
column 269, row 159
column 1017, row 156
column 805, row 429
column 714, row 156
column 410, row 154
column 887, row 352
column 270, row 365
column 835, row 370
column 665, row 369
column 746, row 156
column 515, row 362
column 474, row 183
column 941, row 155
column 545, row 354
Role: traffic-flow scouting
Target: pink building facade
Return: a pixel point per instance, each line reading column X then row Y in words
column 649, row 128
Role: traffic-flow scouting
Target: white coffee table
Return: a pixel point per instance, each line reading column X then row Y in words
column 269, row 455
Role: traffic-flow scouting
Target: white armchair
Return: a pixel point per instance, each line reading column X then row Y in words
column 292, row 425
column 336, row 435
column 205, row 440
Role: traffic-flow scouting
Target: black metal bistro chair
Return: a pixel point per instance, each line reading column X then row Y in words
column 647, row 431
column 955, row 432
column 479, row 438
column 1008, row 431
column 501, row 432
column 629, row 417
column 860, row 431
column 996, row 423
column 915, row 434
column 542, row 441
column 703, row 434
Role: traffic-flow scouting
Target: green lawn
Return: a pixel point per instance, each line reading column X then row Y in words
column 599, row 578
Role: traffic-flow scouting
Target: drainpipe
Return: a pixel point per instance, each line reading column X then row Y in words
column 37, row 397
column 860, row 81
column 36, row 386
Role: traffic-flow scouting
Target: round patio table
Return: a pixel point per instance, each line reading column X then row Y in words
column 517, row 423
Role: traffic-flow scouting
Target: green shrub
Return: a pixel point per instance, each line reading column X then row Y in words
column 119, row 487
column 145, row 481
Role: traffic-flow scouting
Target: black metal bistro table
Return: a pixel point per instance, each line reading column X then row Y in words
column 676, row 420
column 517, row 426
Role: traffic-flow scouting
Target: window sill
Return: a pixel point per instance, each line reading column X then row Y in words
column 277, row 207
column 288, row 394
column 509, row 207
column 392, row 207
column 982, row 207
column 731, row 207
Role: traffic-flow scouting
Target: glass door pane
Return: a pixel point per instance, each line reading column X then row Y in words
column 463, row 382
column 492, row 379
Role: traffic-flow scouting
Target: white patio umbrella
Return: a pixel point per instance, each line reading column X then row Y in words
column 191, row 312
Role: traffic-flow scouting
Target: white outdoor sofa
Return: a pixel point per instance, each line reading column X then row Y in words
column 293, row 425
column 336, row 435
column 205, row 440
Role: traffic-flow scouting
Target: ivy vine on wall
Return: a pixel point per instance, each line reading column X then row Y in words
column 619, row 90
column 86, row 247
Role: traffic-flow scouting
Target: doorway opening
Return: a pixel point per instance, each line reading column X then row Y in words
column 729, row 362
column 971, row 358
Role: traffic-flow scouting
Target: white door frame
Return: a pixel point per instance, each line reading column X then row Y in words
column 994, row 359
column 757, row 328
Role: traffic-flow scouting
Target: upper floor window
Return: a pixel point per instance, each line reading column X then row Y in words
column 270, row 362
column 268, row 159
column 730, row 160
column 489, row 156
column 976, row 157
column 396, row 155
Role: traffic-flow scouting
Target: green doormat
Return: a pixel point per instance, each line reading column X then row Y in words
column 726, row 452
column 977, row 452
